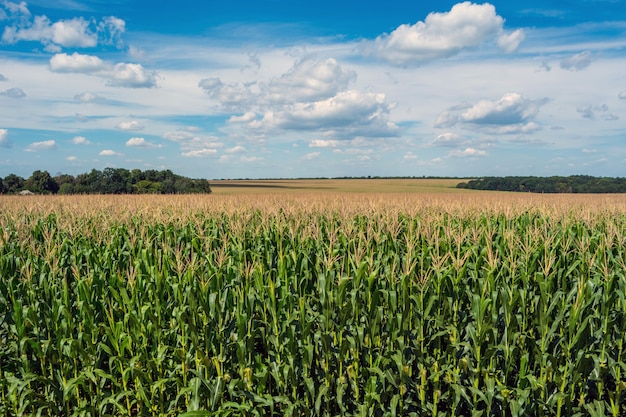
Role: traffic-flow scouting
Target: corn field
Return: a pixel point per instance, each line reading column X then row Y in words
column 313, row 305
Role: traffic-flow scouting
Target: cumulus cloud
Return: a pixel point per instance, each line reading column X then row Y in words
column 71, row 158
column 132, row 76
column 622, row 95
column 80, row 140
column 46, row 145
column 312, row 95
column 441, row 35
column 73, row 33
column 5, row 141
column 346, row 109
column 132, row 125
column 109, row 152
column 141, row 143
column 192, row 143
column 13, row 93
column 409, row 156
column 577, row 62
column 76, row 63
column 512, row 113
column 467, row 152
column 229, row 95
column 324, row 143
column 77, row 32
column 3, row 78
column 118, row 75
column 310, row 80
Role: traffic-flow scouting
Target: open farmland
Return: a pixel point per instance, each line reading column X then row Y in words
column 347, row 185
column 313, row 303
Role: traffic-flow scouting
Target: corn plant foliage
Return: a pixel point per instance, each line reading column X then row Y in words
column 313, row 314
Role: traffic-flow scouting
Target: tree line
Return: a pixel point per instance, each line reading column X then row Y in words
column 107, row 181
column 554, row 184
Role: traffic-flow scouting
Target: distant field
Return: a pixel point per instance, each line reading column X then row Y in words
column 336, row 185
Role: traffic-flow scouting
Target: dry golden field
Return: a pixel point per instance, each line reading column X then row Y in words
column 349, row 197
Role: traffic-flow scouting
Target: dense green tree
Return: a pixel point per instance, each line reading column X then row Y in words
column 554, row 184
column 41, row 182
column 108, row 181
column 13, row 183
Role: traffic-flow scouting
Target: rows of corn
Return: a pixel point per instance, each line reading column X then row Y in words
column 324, row 310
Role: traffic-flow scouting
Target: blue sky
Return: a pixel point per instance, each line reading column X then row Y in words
column 274, row 88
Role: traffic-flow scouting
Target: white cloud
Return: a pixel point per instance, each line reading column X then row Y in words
column 448, row 139
column 118, row 75
column 76, row 63
column 229, row 95
column 111, row 29
column 77, row 32
column 235, row 149
column 440, row 35
column 244, row 118
column 468, row 152
column 409, row 156
column 132, row 125
column 347, row 111
column 46, row 145
column 5, row 141
column 512, row 113
column 312, row 95
column 109, row 152
column 192, row 143
column 73, row 33
column 3, row 78
column 622, row 95
column 13, row 93
column 132, row 76
column 324, row 143
column 141, row 143
column 199, row 153
column 17, row 10
column 80, row 140
column 71, row 158
column 577, row 62
column 589, row 151
column 310, row 80
column 510, row 108
column 509, row 42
